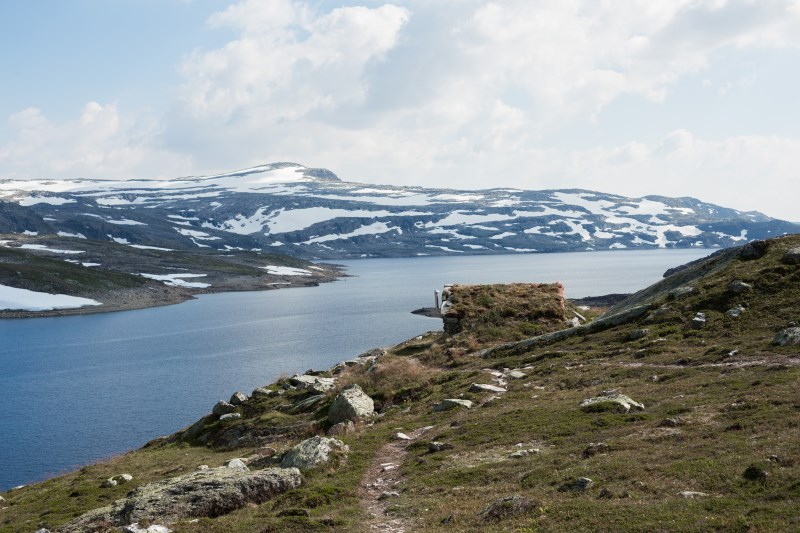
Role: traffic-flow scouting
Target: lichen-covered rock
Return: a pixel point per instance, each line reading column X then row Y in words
column 753, row 250
column 261, row 392
column 342, row 428
column 314, row 452
column 237, row 464
column 506, row 508
column 213, row 492
column 482, row 387
column 351, row 404
column 638, row 334
column 611, row 401
column 738, row 287
column 792, row 256
column 582, row 484
column 594, row 448
column 238, row 398
column 787, row 337
column 452, row 403
column 231, row 416
column 316, row 383
column 223, row 408
column 735, row 312
column 436, row 446
column 699, row 321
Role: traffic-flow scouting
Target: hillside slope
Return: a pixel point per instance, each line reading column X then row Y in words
column 668, row 420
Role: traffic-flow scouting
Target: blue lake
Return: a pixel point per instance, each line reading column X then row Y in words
column 76, row 389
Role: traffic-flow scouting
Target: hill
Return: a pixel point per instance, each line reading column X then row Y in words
column 675, row 410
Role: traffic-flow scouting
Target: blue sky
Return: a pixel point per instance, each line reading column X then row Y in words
column 680, row 97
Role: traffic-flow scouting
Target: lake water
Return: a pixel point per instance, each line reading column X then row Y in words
column 76, row 389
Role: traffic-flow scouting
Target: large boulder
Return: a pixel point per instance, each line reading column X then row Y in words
column 314, row 452
column 351, row 404
column 223, row 408
column 314, row 383
column 452, row 403
column 238, row 398
column 212, row 492
column 611, row 400
column 753, row 250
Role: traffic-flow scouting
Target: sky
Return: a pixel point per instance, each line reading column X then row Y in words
column 693, row 98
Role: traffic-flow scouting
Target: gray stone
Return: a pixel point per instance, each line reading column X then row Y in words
column 738, row 287
column 573, row 322
column 206, row 493
column 753, row 250
column 401, row 436
column 452, row 403
column 691, row 494
column 611, row 401
column 108, row 483
column 155, row 528
column 508, row 507
column 699, row 321
column 231, row 416
column 223, row 408
column 787, row 337
column 519, row 454
column 309, row 402
column 671, row 422
column 314, row 452
column 237, row 464
column 638, row 334
column 735, row 312
column 262, row 392
column 385, row 495
column 238, row 398
column 481, row 387
column 121, row 479
column 516, row 374
column 582, row 484
column 594, row 448
column 43, row 530
column 342, row 428
column 351, row 404
column 316, row 383
column 436, row 446
column 681, row 292
column 792, row 256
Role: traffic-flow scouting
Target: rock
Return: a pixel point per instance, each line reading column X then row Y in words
column 316, row 383
column 155, row 528
column 582, row 484
column 787, row 337
column 452, row 403
column 594, row 448
column 223, row 408
column 385, row 495
column 201, row 468
column 753, row 250
column 792, row 256
column 238, row 398
column 662, row 314
column 699, row 321
column 237, row 464
column 43, row 530
column 207, row 493
column 402, row 436
column 262, row 392
column 302, row 405
column 671, row 422
column 314, row 452
column 519, row 454
column 755, row 473
column 121, row 479
column 735, row 312
column 681, row 292
column 605, row 494
column 638, row 334
column 480, row 387
column 2, row 499
column 351, row 404
column 738, row 287
column 108, row 483
column 436, row 446
column 611, row 401
column 231, row 416
column 516, row 374
column 506, row 508
column 691, row 494
column 573, row 322
column 342, row 428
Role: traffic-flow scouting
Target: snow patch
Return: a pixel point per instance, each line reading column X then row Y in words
column 13, row 299
column 43, row 248
column 177, row 280
column 286, row 271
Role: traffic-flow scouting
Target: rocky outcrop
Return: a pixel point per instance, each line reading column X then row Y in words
column 204, row 493
column 351, row 404
column 314, row 452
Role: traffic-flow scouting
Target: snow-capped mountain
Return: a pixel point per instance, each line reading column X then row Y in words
column 311, row 213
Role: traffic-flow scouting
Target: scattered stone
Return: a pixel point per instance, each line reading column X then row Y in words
column 691, row 494
column 385, row 495
column 402, row 436
column 314, row 452
column 436, row 446
column 342, row 428
column 223, row 408
column 238, row 398
column 573, row 322
column 699, row 321
column 738, row 287
column 519, row 454
column 771, row 459
column 155, row 528
column 792, row 256
column 506, row 508
column 582, row 484
column 208, row 493
column 755, row 473
column 671, row 422
column 231, row 416
column 452, row 403
column 386, row 467
column 594, row 448
column 316, row 383
column 351, row 404
column 262, row 392
column 681, row 292
column 638, row 334
column 610, row 400
column 516, row 374
column 735, row 312
column 237, row 464
column 787, row 337
column 201, row 468
column 108, row 483
column 481, row 387
column 753, row 250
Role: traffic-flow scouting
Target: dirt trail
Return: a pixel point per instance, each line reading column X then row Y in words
column 380, row 480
